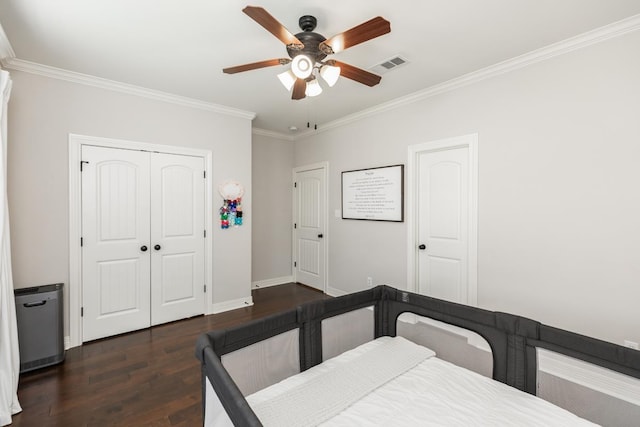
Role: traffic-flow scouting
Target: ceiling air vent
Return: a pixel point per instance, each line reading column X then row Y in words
column 389, row 64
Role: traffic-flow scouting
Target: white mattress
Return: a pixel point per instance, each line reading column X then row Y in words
column 434, row 393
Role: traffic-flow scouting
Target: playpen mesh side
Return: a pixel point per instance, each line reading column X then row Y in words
column 264, row 363
column 451, row 343
column 214, row 413
column 595, row 393
column 347, row 331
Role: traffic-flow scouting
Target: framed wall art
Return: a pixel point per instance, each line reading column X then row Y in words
column 374, row 194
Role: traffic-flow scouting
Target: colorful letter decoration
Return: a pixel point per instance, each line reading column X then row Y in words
column 231, row 213
column 231, row 210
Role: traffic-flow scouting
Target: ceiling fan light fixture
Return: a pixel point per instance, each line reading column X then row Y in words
column 302, row 66
column 330, row 74
column 287, row 79
column 313, row 88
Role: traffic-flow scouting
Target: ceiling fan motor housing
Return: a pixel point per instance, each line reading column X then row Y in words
column 309, row 39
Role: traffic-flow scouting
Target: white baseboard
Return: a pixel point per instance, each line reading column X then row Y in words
column 232, row 305
column 591, row 376
column 67, row 342
column 271, row 282
column 335, row 292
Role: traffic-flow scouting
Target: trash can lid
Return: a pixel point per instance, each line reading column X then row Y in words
column 38, row 289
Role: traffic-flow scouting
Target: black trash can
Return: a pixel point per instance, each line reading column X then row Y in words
column 40, row 326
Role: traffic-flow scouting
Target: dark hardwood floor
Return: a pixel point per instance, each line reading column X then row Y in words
column 144, row 378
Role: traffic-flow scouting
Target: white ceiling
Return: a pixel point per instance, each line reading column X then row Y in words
column 181, row 46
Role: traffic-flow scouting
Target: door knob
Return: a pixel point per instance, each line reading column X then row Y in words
column 143, row 248
column 319, row 236
column 422, row 247
column 157, row 247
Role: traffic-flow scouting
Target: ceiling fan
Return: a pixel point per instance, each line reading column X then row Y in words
column 307, row 52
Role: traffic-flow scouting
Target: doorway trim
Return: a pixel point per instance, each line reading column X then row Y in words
column 75, row 219
column 325, row 167
column 469, row 141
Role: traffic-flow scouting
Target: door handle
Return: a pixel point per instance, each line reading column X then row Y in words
column 143, row 248
column 157, row 247
column 320, row 236
column 35, row 304
column 422, row 247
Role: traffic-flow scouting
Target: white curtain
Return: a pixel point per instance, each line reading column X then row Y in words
column 9, row 355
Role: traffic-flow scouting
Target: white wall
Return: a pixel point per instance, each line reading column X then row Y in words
column 272, row 214
column 559, row 172
column 42, row 113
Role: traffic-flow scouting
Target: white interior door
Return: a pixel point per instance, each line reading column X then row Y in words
column 309, row 227
column 177, row 236
column 115, row 241
column 443, row 223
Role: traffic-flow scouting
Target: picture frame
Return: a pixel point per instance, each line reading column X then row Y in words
column 373, row 194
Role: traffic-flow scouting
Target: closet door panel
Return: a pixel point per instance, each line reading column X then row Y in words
column 115, row 230
column 177, row 235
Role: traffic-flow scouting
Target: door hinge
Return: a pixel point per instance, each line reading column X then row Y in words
column 295, row 225
column 81, row 241
column 204, row 174
column 205, row 289
column 81, row 311
column 295, row 185
column 295, row 264
column 205, row 234
column 82, row 162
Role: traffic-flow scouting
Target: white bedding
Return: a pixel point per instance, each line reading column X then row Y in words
column 342, row 386
column 434, row 393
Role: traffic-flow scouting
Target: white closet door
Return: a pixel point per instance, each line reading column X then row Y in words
column 115, row 251
column 177, row 237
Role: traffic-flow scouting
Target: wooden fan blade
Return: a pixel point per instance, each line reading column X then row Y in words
column 256, row 65
column 299, row 88
column 272, row 25
column 356, row 74
column 366, row 31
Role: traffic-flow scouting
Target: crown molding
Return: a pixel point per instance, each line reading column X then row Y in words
column 6, row 51
column 272, row 134
column 98, row 82
column 589, row 38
